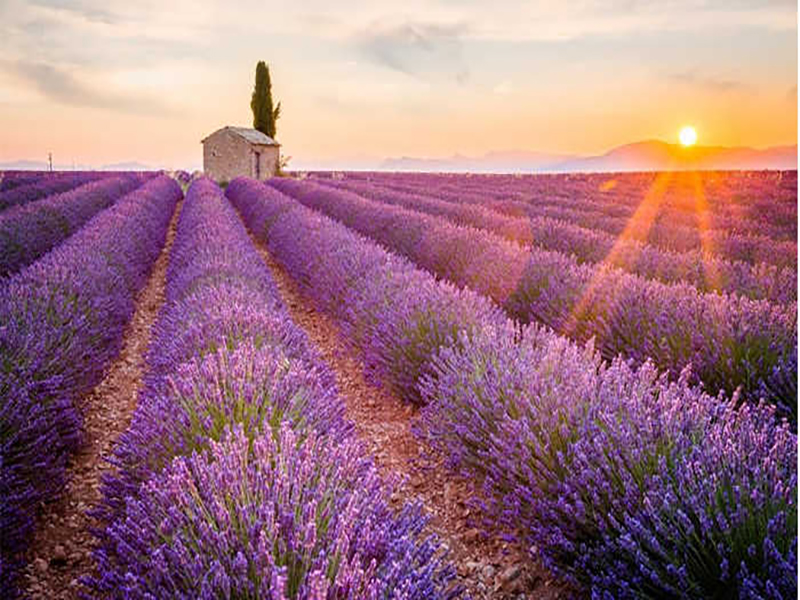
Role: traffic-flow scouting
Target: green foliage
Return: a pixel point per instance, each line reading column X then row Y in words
column 265, row 115
column 283, row 162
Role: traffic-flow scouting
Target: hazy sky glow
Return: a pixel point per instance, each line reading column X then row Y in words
column 101, row 81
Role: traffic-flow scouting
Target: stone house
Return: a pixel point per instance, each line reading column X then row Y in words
column 231, row 152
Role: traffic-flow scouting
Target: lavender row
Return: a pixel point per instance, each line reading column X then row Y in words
column 366, row 291
column 47, row 184
column 729, row 341
column 12, row 179
column 747, row 202
column 643, row 227
column 704, row 272
column 240, row 453
column 733, row 192
column 28, row 231
column 696, row 226
column 624, row 483
column 62, row 323
column 728, row 245
column 763, row 203
column 684, row 200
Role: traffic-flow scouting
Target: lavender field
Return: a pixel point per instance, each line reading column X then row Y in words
column 398, row 385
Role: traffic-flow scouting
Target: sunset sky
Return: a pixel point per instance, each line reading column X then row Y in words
column 99, row 82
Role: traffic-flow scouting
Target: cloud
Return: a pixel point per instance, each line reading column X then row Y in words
column 85, row 9
column 555, row 20
column 504, row 88
column 61, row 86
column 422, row 50
column 712, row 84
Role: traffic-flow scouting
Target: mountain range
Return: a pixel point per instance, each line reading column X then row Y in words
column 650, row 155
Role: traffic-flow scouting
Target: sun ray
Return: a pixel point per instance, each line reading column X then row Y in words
column 608, row 185
column 637, row 228
column 701, row 212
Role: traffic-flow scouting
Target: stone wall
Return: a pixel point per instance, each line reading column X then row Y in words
column 269, row 160
column 227, row 156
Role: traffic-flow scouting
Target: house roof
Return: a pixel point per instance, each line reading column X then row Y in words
column 253, row 136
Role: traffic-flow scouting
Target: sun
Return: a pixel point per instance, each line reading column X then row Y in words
column 688, row 136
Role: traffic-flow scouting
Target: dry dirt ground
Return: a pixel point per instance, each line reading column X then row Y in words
column 487, row 567
column 62, row 546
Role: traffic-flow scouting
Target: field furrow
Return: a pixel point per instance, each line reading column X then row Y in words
column 488, row 567
column 240, row 449
column 60, row 555
column 63, row 319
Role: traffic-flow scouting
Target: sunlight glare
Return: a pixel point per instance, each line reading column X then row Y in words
column 688, row 136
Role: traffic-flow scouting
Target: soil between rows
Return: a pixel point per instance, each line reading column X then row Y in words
column 487, row 567
column 61, row 552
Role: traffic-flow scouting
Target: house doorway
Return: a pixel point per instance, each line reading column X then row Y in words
column 257, row 169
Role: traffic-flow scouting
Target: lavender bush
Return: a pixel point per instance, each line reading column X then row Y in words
column 28, row 231
column 629, row 485
column 364, row 288
column 183, row 177
column 728, row 245
column 271, row 517
column 13, row 179
column 224, row 352
column 62, row 322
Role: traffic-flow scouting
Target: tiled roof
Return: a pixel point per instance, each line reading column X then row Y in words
column 251, row 135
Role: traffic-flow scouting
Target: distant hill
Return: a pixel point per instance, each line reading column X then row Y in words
column 128, row 166
column 31, row 165
column 651, row 155
column 660, row 156
column 511, row 161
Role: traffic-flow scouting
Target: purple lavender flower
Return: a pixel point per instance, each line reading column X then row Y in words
column 627, row 484
column 746, row 216
column 30, row 230
column 62, row 323
column 707, row 273
column 38, row 185
column 271, row 517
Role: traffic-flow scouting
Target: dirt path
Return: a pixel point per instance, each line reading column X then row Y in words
column 62, row 546
column 489, row 568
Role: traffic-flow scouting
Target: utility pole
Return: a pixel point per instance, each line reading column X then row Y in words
column 50, row 160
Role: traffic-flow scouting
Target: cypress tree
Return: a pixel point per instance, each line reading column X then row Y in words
column 264, row 114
